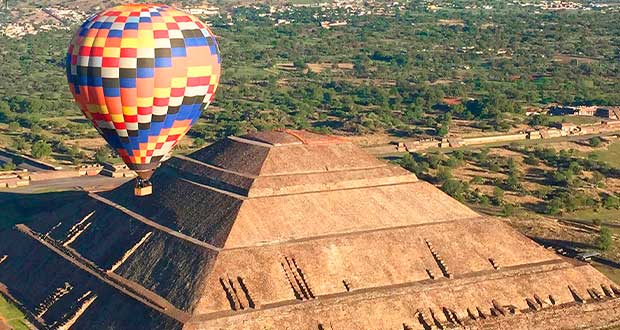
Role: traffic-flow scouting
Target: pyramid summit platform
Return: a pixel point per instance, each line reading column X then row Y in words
column 291, row 230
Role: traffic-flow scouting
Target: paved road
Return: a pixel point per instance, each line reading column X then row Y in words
column 98, row 182
column 384, row 150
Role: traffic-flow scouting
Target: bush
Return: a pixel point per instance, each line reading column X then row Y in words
column 531, row 160
column 611, row 202
column 8, row 166
column 498, row 196
column 14, row 126
column 36, row 129
column 595, row 142
column 453, row 162
column 508, row 210
column 555, row 206
column 477, row 180
column 19, row 143
column 199, row 142
column 41, row 149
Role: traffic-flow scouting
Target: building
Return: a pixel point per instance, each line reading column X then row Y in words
column 588, row 111
column 612, row 113
column 569, row 128
column 329, row 25
column 291, row 230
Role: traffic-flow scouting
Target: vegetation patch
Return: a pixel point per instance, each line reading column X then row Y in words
column 11, row 315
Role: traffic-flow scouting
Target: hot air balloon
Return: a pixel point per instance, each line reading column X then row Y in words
column 142, row 74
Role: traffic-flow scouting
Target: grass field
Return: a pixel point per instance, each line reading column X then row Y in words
column 579, row 120
column 611, row 155
column 13, row 316
column 603, row 215
column 611, row 272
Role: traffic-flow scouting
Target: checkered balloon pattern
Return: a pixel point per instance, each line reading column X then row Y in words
column 142, row 74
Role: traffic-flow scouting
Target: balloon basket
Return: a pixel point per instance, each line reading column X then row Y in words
column 143, row 187
column 143, row 191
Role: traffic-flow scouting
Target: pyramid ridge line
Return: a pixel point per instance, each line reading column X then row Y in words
column 351, row 233
column 248, row 195
column 214, row 167
column 115, row 281
column 221, row 191
column 338, row 189
column 358, row 169
column 253, row 176
column 253, row 142
column 153, row 224
column 243, row 197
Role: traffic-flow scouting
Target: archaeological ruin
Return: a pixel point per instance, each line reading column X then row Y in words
column 290, row 230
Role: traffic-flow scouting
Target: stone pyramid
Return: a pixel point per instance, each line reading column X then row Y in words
column 290, row 230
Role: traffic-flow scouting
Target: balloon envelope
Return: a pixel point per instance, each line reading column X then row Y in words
column 142, row 74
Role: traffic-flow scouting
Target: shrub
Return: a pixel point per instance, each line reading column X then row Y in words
column 531, row 160
column 611, row 202
column 199, row 142
column 498, row 196
column 477, row 180
column 508, row 210
column 14, row 126
column 8, row 166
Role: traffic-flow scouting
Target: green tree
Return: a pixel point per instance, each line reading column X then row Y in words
column 444, row 174
column 595, row 142
column 604, row 239
column 40, row 149
column 454, row 188
column 410, row 164
column 19, row 143
column 103, row 154
column 484, row 200
column 443, row 130
column 611, row 202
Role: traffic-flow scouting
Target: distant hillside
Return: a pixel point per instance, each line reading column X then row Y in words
column 89, row 5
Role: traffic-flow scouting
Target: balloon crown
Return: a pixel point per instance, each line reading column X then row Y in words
column 142, row 74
